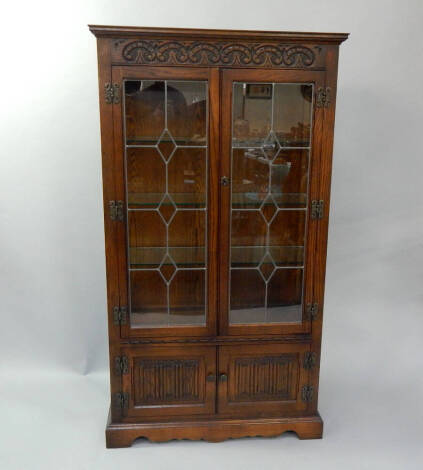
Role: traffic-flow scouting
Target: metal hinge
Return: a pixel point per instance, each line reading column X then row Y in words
column 317, row 208
column 116, row 210
column 121, row 400
column 112, row 93
column 307, row 393
column 323, row 97
column 119, row 315
column 312, row 310
column 309, row 360
column 121, row 365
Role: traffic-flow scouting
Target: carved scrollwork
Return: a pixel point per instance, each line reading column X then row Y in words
column 217, row 53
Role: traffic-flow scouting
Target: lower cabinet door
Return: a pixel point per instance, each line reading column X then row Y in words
column 262, row 380
column 170, row 380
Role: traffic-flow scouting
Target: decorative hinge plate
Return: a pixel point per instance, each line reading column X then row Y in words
column 317, row 208
column 119, row 315
column 116, row 210
column 121, row 365
column 309, row 360
column 312, row 310
column 323, row 97
column 112, row 93
column 121, row 400
column 307, row 393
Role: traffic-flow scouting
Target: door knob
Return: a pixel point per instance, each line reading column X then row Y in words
column 225, row 180
column 211, row 378
column 223, row 377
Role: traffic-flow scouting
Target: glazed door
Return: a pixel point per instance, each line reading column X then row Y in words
column 165, row 137
column 270, row 149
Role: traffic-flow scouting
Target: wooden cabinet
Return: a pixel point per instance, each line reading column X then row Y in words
column 217, row 149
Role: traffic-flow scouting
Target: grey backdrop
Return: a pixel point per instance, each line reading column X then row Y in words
column 54, row 385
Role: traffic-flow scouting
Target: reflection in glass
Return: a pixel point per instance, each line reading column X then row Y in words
column 251, row 117
column 270, row 154
column 186, row 112
column 292, row 115
column 166, row 172
column 144, row 111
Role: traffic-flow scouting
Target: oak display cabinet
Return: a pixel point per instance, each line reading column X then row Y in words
column 217, row 149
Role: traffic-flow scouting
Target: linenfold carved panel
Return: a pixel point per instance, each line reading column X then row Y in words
column 166, row 381
column 265, row 378
column 171, row 52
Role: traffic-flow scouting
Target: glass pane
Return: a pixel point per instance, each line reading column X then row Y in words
column 187, row 298
column 289, row 178
column 186, row 112
column 146, row 177
column 144, row 111
column 268, row 201
column 248, row 296
column 284, row 296
column 187, row 177
column 250, row 178
column 148, row 299
column 292, row 114
column 252, row 113
column 166, row 181
column 147, row 237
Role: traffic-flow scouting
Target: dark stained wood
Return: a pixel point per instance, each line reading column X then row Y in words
column 191, row 33
column 212, row 430
column 109, row 193
column 324, row 179
column 216, row 381
column 262, row 381
column 169, row 381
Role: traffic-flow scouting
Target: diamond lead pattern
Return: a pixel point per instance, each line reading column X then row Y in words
column 269, row 209
column 271, row 146
column 167, row 268
column 167, row 209
column 166, row 145
column 267, row 266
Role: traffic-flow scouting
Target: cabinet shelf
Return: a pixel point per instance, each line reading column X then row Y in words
column 152, row 142
column 152, row 257
column 282, row 200
column 241, row 256
column 152, row 200
column 239, row 200
column 251, row 256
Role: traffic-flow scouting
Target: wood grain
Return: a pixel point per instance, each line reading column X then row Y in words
column 213, row 381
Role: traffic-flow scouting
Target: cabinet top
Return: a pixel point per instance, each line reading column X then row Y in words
column 286, row 36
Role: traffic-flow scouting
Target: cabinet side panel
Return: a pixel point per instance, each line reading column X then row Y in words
column 322, row 235
column 109, row 192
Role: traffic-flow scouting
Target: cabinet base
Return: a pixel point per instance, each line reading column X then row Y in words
column 212, row 430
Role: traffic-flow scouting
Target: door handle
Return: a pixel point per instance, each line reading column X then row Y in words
column 223, row 377
column 225, row 180
column 211, row 378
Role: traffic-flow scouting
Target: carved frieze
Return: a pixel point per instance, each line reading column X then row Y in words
column 216, row 53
